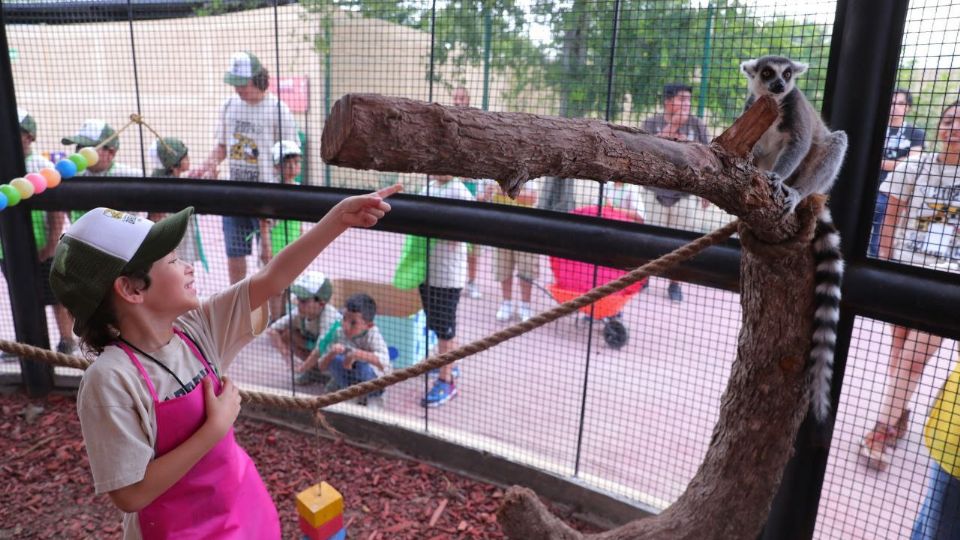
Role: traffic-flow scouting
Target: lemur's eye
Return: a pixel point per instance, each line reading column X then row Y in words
column 787, row 74
column 766, row 73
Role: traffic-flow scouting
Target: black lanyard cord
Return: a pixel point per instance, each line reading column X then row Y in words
column 159, row 363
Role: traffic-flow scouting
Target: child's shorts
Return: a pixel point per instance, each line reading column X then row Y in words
column 440, row 303
column 238, row 233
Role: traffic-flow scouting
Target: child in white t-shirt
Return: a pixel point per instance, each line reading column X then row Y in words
column 440, row 293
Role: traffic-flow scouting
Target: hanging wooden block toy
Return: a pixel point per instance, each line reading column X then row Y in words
column 320, row 511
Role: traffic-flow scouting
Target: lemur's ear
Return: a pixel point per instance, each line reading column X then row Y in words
column 799, row 67
column 749, row 68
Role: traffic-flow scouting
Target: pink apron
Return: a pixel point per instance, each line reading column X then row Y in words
column 222, row 496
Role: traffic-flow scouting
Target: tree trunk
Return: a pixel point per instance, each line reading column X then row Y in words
column 760, row 412
column 765, row 400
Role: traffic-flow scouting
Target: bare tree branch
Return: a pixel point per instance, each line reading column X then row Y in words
column 369, row 131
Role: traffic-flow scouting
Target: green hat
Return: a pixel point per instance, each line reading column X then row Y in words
column 243, row 66
column 102, row 245
column 312, row 284
column 27, row 123
column 167, row 152
column 92, row 133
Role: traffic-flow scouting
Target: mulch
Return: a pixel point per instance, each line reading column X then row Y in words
column 48, row 492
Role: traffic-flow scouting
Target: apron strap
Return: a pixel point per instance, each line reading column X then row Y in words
column 143, row 373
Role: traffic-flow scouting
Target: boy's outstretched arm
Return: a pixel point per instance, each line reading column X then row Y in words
column 357, row 211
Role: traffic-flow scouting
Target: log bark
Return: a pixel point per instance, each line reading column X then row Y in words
column 370, row 131
column 760, row 411
column 765, row 400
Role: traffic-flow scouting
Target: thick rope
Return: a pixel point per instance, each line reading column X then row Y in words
column 656, row 266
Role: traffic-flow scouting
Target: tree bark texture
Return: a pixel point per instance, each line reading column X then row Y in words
column 760, row 411
column 765, row 400
column 370, row 131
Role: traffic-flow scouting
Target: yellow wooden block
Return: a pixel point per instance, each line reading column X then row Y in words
column 319, row 504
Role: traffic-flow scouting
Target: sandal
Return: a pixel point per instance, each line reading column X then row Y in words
column 876, row 444
column 903, row 423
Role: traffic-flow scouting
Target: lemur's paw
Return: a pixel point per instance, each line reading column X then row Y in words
column 774, row 179
column 785, row 195
column 792, row 200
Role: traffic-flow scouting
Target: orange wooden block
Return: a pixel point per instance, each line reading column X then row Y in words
column 319, row 504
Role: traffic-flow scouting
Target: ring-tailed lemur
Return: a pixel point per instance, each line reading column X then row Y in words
column 802, row 157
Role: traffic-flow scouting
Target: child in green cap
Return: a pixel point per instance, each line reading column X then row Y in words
column 155, row 411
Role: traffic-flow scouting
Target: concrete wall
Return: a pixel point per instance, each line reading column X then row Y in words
column 64, row 74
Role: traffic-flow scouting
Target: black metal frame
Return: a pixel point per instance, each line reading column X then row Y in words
column 863, row 60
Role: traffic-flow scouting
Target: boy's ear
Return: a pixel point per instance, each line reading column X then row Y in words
column 128, row 290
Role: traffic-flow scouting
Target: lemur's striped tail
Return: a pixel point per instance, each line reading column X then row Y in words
column 829, row 274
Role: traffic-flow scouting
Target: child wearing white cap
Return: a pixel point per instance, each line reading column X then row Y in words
column 161, row 446
column 310, row 326
column 286, row 161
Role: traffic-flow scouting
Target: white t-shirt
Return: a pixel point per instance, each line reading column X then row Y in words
column 312, row 329
column 249, row 132
column 114, row 403
column 116, row 169
column 35, row 163
column 625, row 197
column 448, row 258
column 930, row 191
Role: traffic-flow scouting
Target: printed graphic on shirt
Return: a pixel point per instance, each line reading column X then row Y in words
column 938, row 218
column 188, row 386
column 244, row 153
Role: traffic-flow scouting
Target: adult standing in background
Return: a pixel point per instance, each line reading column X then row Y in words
column 250, row 123
column 461, row 98
column 675, row 122
column 902, row 141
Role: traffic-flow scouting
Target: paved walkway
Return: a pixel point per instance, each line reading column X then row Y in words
column 648, row 409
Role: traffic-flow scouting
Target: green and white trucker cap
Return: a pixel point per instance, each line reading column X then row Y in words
column 102, row 245
column 27, row 123
column 312, row 284
column 92, row 133
column 243, row 66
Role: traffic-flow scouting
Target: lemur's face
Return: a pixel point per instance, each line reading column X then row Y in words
column 773, row 76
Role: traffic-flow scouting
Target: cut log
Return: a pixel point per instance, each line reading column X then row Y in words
column 370, row 131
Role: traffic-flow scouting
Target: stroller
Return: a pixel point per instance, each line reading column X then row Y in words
column 573, row 278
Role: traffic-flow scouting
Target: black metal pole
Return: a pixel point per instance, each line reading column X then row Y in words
column 865, row 53
column 16, row 234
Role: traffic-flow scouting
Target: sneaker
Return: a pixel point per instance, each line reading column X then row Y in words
column 435, row 373
column 674, row 292
column 440, row 393
column 505, row 313
column 66, row 347
column 876, row 446
column 523, row 312
column 310, row 377
column 472, row 290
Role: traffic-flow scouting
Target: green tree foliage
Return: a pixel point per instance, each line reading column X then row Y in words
column 658, row 42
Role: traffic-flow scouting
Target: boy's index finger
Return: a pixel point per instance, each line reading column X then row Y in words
column 383, row 193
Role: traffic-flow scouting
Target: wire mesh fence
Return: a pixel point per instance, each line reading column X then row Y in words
column 622, row 396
